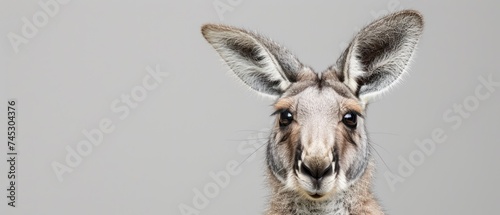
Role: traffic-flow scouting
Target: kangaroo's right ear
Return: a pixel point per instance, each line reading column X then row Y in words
column 259, row 62
column 380, row 53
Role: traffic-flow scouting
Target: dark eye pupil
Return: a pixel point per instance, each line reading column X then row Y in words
column 350, row 120
column 285, row 118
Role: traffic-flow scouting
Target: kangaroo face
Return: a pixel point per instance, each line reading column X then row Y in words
column 319, row 145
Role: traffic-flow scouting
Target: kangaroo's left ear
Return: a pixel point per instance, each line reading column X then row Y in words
column 260, row 63
column 380, row 53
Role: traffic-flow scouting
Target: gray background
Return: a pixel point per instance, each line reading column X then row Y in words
column 91, row 52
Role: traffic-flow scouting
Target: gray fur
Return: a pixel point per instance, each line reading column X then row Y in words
column 384, row 50
column 301, row 152
column 259, row 62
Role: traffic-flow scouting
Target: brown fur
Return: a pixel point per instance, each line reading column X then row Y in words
column 318, row 155
column 358, row 198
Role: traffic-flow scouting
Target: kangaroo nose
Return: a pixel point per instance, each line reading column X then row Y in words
column 316, row 172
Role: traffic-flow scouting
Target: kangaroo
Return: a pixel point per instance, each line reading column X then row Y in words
column 318, row 155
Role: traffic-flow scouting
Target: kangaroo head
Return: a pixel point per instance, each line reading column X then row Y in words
column 319, row 145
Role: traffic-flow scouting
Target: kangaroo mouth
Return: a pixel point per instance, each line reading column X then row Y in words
column 316, row 196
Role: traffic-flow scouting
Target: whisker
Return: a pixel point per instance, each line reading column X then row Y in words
column 242, row 162
column 387, row 133
column 371, row 142
column 264, row 138
column 382, row 159
column 255, row 131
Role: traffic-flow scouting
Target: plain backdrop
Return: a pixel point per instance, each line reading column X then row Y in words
column 87, row 56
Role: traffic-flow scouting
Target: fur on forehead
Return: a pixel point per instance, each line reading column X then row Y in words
column 307, row 78
column 319, row 81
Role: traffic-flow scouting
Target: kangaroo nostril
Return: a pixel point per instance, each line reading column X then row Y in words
column 327, row 171
column 316, row 173
column 305, row 170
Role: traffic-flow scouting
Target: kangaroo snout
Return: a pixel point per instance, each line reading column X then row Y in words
column 315, row 167
column 315, row 172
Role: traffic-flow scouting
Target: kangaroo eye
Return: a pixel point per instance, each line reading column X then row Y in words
column 286, row 118
column 350, row 120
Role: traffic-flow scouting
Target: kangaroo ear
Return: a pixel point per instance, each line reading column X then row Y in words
column 380, row 53
column 259, row 62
